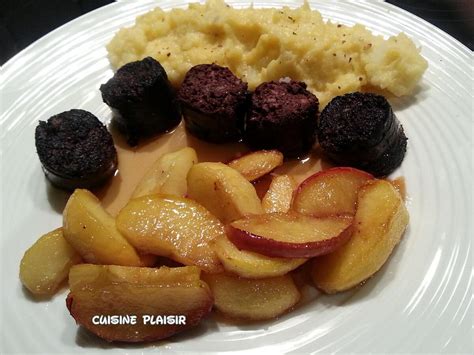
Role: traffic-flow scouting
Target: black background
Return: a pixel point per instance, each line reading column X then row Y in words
column 24, row 21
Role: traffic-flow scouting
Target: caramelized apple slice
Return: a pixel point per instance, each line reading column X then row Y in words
column 252, row 265
column 380, row 221
column 290, row 235
column 257, row 164
column 223, row 191
column 46, row 263
column 168, row 174
column 91, row 231
column 400, row 186
column 172, row 226
column 330, row 192
column 252, row 299
column 279, row 195
column 99, row 291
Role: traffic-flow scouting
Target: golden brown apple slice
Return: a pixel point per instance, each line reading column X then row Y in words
column 46, row 263
column 257, row 164
column 252, row 299
column 91, row 231
column 223, row 191
column 168, row 174
column 279, row 195
column 171, row 226
column 290, row 235
column 380, row 221
column 330, row 192
column 100, row 292
column 400, row 186
column 252, row 265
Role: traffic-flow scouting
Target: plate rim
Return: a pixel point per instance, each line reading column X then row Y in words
column 88, row 14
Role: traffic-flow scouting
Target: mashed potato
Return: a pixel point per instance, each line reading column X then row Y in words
column 267, row 44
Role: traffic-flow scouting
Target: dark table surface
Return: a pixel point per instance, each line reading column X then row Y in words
column 24, row 21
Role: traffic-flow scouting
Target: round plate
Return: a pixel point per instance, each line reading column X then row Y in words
column 419, row 302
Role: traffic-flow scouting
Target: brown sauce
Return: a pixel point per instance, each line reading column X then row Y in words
column 133, row 162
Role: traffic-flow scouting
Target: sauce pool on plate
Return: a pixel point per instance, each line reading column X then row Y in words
column 135, row 161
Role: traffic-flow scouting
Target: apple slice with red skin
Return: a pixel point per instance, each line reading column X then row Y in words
column 330, row 192
column 109, row 290
column 290, row 235
column 380, row 222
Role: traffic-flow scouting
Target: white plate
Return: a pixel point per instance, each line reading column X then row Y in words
column 420, row 302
